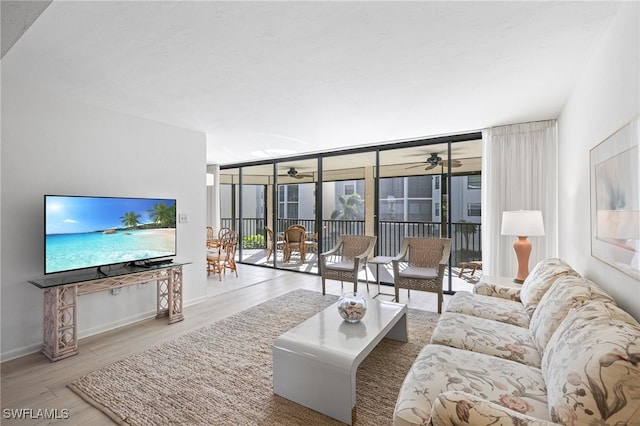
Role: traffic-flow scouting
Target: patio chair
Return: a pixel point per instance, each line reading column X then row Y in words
column 215, row 242
column 345, row 261
column 210, row 238
column 294, row 240
column 273, row 243
column 311, row 244
column 422, row 261
column 218, row 261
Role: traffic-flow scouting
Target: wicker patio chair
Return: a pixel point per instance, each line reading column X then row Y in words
column 224, row 257
column 273, row 243
column 344, row 261
column 311, row 245
column 420, row 265
column 210, row 237
column 294, row 240
column 215, row 242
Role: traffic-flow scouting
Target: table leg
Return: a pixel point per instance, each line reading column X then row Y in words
column 169, row 295
column 399, row 330
column 327, row 387
column 378, row 282
column 60, row 338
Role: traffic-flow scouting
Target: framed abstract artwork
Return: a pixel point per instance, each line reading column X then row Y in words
column 615, row 199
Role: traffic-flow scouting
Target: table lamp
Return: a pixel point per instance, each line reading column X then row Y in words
column 523, row 224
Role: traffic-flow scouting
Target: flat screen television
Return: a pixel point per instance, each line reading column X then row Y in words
column 87, row 232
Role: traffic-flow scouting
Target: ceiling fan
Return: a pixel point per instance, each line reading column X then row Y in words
column 435, row 160
column 293, row 173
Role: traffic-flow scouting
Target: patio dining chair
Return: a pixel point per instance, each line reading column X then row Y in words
column 224, row 257
column 210, row 237
column 294, row 240
column 311, row 244
column 274, row 243
column 215, row 242
column 420, row 266
column 346, row 259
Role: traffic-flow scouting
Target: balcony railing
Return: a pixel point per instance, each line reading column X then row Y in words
column 466, row 244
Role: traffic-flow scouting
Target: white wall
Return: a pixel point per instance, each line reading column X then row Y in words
column 605, row 99
column 53, row 146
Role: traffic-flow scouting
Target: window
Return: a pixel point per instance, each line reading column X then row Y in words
column 474, row 182
column 292, row 193
column 292, row 211
column 436, row 185
column 349, row 189
column 474, row 209
column 407, row 198
column 288, row 196
column 419, row 187
column 391, row 187
column 419, row 210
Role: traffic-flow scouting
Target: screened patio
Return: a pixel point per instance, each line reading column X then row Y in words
column 429, row 188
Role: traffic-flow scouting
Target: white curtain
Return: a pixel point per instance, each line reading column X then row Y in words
column 519, row 173
column 213, row 198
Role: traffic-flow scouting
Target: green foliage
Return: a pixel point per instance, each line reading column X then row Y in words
column 253, row 241
column 351, row 208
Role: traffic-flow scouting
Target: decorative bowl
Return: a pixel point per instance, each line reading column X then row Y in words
column 352, row 307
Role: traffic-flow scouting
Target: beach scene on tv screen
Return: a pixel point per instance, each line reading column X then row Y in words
column 84, row 232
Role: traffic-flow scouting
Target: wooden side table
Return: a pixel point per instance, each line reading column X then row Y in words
column 474, row 266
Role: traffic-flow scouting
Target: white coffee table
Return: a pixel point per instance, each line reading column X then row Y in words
column 315, row 363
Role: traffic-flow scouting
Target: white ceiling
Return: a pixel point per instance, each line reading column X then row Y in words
column 305, row 76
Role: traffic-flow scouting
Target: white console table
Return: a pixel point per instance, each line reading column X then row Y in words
column 60, row 339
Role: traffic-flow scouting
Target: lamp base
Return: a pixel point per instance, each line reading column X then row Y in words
column 522, row 247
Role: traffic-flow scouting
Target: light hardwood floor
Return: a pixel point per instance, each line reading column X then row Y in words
column 33, row 382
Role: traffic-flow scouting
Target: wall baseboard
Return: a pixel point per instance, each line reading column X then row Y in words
column 37, row 347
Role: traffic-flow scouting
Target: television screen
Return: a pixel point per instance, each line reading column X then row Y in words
column 85, row 232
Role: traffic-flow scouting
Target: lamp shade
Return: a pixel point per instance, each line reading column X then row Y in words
column 522, row 223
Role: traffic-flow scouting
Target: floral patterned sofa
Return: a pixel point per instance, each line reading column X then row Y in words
column 558, row 352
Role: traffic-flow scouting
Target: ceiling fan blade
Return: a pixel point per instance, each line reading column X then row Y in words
column 417, row 165
column 452, row 163
column 430, row 166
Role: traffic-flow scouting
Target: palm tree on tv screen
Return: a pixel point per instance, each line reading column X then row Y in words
column 163, row 215
column 130, row 219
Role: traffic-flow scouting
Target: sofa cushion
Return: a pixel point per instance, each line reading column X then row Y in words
column 493, row 308
column 486, row 336
column 439, row 369
column 460, row 408
column 591, row 367
column 543, row 275
column 565, row 293
column 509, row 291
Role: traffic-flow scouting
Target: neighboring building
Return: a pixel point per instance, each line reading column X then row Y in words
column 403, row 199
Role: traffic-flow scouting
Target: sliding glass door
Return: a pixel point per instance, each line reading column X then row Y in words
column 347, row 196
column 431, row 191
column 295, row 205
column 428, row 188
column 253, row 211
